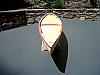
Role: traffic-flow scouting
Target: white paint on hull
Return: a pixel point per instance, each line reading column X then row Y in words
column 50, row 27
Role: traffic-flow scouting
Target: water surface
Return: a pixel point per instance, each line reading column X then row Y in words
column 20, row 50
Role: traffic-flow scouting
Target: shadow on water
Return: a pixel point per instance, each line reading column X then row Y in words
column 60, row 53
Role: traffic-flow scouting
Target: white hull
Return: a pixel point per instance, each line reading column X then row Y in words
column 50, row 28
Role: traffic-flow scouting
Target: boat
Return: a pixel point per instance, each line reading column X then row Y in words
column 54, row 40
column 50, row 29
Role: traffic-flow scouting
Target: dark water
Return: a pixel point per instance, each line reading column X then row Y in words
column 20, row 50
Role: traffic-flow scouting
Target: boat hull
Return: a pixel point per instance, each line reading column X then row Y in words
column 50, row 29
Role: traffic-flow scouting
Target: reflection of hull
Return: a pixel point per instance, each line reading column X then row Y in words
column 60, row 53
